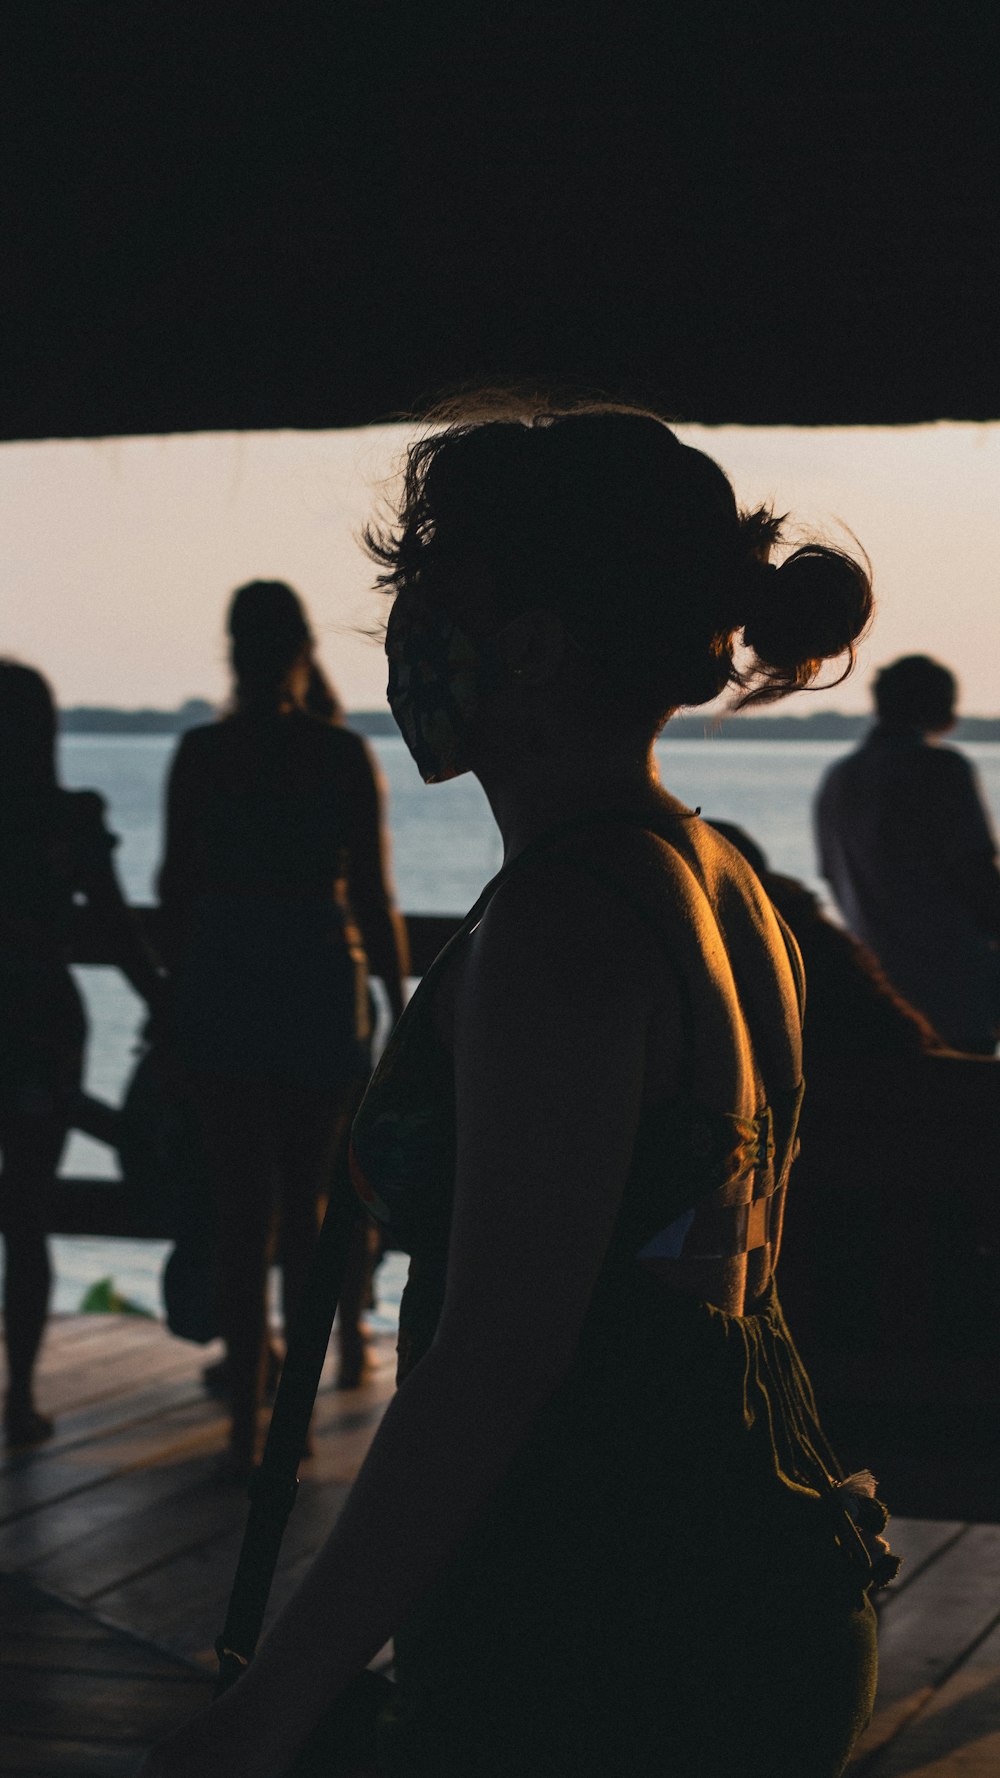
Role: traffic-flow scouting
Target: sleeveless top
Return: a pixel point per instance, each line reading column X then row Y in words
column 668, row 1538
column 701, row 1183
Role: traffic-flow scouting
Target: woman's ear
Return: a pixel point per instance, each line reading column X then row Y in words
column 532, row 646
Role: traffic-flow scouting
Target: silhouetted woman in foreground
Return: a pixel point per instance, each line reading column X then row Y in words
column 600, row 1517
column 54, row 848
column 275, row 892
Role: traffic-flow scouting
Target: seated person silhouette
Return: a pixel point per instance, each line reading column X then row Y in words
column 906, row 845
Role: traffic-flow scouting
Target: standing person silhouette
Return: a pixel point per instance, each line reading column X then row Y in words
column 54, row 848
column 600, row 1517
column 906, row 845
column 275, row 896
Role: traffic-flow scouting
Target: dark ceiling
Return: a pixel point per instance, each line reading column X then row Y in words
column 225, row 216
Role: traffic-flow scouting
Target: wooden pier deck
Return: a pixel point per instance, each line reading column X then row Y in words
column 117, row 1549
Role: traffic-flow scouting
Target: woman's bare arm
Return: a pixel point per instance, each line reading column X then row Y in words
column 97, row 880
column 549, row 1044
column 177, row 880
column 370, row 879
column 132, row 953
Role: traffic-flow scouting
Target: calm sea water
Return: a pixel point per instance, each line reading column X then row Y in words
column 445, row 847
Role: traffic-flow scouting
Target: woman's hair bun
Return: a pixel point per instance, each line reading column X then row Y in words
column 601, row 513
column 812, row 607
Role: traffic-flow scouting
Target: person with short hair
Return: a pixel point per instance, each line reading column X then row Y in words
column 907, row 847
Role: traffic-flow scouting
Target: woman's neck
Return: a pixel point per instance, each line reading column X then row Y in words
column 266, row 707
column 530, row 796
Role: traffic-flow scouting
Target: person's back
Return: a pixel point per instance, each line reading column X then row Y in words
column 906, row 845
column 50, row 846
column 266, row 803
column 254, row 896
column 274, row 898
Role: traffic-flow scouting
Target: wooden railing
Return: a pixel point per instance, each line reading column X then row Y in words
column 428, row 932
column 891, row 1262
column 100, row 1206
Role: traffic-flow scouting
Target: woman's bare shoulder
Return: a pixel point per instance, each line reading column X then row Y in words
column 569, row 918
column 763, row 957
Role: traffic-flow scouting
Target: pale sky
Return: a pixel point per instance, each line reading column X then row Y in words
column 118, row 556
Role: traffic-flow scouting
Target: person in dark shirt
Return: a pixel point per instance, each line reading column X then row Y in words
column 906, row 844
column 54, row 849
column 856, row 1019
column 275, row 896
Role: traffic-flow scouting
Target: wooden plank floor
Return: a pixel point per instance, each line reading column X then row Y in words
column 118, row 1542
column 117, row 1547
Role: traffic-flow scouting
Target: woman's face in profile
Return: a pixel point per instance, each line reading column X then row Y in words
column 454, row 585
column 443, row 667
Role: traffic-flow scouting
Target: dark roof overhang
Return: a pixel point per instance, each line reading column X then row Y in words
column 319, row 215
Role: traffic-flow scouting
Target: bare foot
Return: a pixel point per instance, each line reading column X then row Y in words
column 23, row 1426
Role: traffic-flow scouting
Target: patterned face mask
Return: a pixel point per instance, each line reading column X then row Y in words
column 438, row 676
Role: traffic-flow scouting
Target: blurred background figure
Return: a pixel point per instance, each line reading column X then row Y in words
column 906, row 845
column 320, row 699
column 54, row 850
column 276, row 897
column 857, row 1021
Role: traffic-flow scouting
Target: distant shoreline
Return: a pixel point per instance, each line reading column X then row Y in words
column 820, row 725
